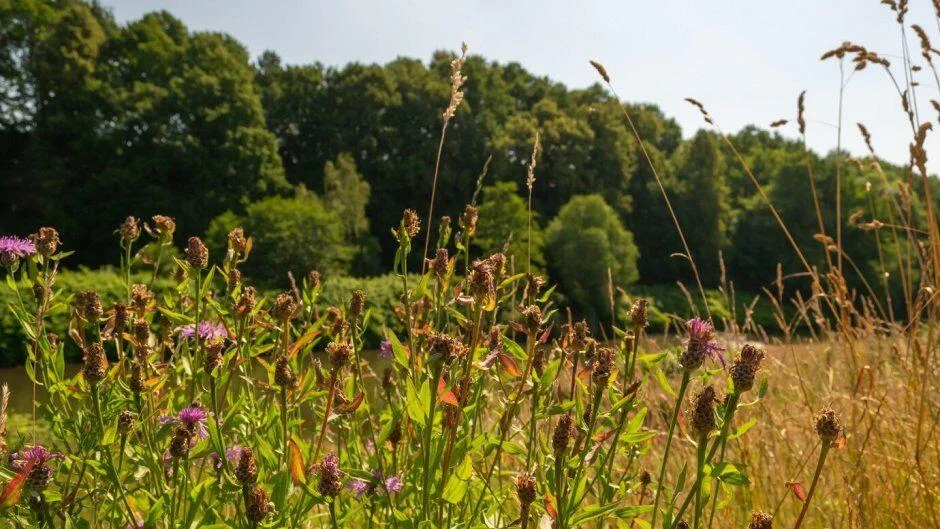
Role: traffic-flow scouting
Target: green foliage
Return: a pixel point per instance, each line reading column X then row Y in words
column 290, row 234
column 503, row 213
column 346, row 194
column 584, row 241
column 383, row 294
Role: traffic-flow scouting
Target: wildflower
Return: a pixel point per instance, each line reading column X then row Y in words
column 385, row 349
column 163, row 226
column 237, row 242
column 828, row 424
column 234, row 278
column 141, row 298
column 180, row 443
column 46, row 241
column 192, row 418
column 141, row 332
column 394, row 484
column 126, row 421
column 638, row 313
column 257, row 505
column 129, row 229
column 702, row 411
column 246, row 302
column 197, row 255
column 533, row 285
column 13, row 248
column 88, row 305
column 339, row 353
column 361, row 488
column 95, row 363
column 207, row 330
column 357, row 304
column 603, row 366
column 246, row 471
column 468, row 220
column 136, row 379
column 700, row 344
column 329, row 484
column 745, row 367
column 40, row 475
column 314, row 279
column 525, row 491
column 445, row 347
column 532, row 319
column 283, row 374
column 645, row 478
column 214, row 358
column 411, row 223
column 564, row 430
column 761, row 520
column 284, row 307
column 481, row 281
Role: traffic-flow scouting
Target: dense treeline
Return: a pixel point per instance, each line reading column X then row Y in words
column 99, row 120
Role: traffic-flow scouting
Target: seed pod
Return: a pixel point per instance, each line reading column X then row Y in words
column 745, row 367
column 828, row 424
column 95, row 363
column 197, row 255
column 761, row 520
column 47, row 241
column 603, row 366
column 639, row 313
column 702, row 411
column 126, row 421
column 246, row 471
column 180, row 443
column 564, row 430
column 257, row 505
column 357, row 304
column 339, row 353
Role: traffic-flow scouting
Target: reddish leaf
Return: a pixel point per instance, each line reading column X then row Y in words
column 448, row 397
column 797, row 489
column 509, row 365
column 296, row 463
column 11, row 493
column 544, row 337
column 351, row 406
column 600, row 438
column 550, row 505
column 840, row 442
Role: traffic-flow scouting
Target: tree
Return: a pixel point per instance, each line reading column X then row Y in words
column 346, row 194
column 503, row 213
column 584, row 241
column 295, row 235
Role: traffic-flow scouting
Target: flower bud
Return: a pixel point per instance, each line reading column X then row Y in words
column 197, row 255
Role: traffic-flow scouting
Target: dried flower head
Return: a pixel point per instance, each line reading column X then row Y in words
column 47, row 241
column 411, row 223
column 181, row 442
column 197, row 255
column 136, row 378
column 745, row 367
column 283, row 374
column 257, row 505
column 639, row 314
column 468, row 220
column 88, row 305
column 645, row 478
column 394, row 436
column 246, row 301
column 481, row 281
column 702, row 411
column 357, row 304
column 601, row 71
column 444, row 347
column 163, row 227
column 828, row 424
column 603, row 366
column 330, row 483
column 141, row 298
column 95, row 363
column 214, row 357
column 339, row 353
column 119, row 318
column 129, row 229
column 40, row 476
column 314, row 280
column 439, row 264
column 246, row 470
column 284, row 307
column 532, row 319
column 761, row 520
column 126, row 422
column 234, row 278
column 564, row 431
column 237, row 243
column 525, row 488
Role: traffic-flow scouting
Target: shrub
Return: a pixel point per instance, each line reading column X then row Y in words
column 584, row 241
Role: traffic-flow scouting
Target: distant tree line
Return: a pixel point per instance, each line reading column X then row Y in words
column 99, row 120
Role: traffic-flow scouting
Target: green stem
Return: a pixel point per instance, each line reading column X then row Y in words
column 672, row 427
column 699, row 476
column 812, row 488
column 574, row 502
column 428, row 431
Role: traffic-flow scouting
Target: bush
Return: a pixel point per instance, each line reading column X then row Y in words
column 290, row 235
column 584, row 241
column 383, row 293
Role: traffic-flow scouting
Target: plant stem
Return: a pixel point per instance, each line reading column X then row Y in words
column 812, row 488
column 672, row 426
column 699, row 476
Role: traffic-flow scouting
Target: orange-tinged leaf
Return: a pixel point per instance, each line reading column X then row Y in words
column 448, row 397
column 351, row 406
column 296, row 463
column 550, row 505
column 303, row 342
column 509, row 365
column 840, row 442
column 11, row 493
column 797, row 489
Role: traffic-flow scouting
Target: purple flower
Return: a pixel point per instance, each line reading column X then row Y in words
column 385, row 349
column 208, row 331
column 393, row 484
column 360, row 487
column 38, row 455
column 193, row 418
column 233, row 452
column 702, row 335
column 13, row 248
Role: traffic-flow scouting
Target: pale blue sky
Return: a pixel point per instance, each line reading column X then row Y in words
column 746, row 60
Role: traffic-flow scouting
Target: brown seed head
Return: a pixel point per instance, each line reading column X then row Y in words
column 129, row 229
column 136, row 378
column 468, row 220
column 601, row 71
column 95, row 363
column 411, row 223
column 246, row 302
column 246, row 470
column 761, row 520
column 197, row 255
column 702, row 411
column 47, row 241
column 88, row 305
column 525, row 489
column 603, row 366
column 339, row 353
column 237, row 242
column 638, row 313
column 141, row 297
column 180, row 443
column 564, row 430
column 828, row 424
column 284, row 307
column 357, row 304
column 283, row 374
column 214, row 358
column 257, row 505
column 745, row 367
column 163, row 226
column 445, row 348
column 532, row 319
column 126, row 422
column 439, row 264
column 120, row 318
column 330, row 482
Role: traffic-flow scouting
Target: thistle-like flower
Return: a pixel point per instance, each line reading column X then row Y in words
column 639, row 314
column 339, row 353
column 12, row 249
column 95, row 363
column 330, row 483
column 126, row 422
column 40, row 475
column 141, row 298
column 702, row 411
column 208, row 331
column 197, row 255
column 828, row 424
column 603, row 366
column 468, row 220
column 283, row 374
column 163, row 227
column 700, row 344
column 357, row 304
column 284, row 307
column 129, row 229
column 564, row 430
column 445, row 348
column 745, row 367
column 237, row 243
column 246, row 470
column 88, row 305
column 47, row 241
column 257, row 504
column 761, row 520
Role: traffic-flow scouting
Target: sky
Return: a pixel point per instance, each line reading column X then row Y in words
column 747, row 61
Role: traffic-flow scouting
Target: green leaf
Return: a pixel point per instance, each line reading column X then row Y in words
column 413, row 405
column 398, row 351
column 661, row 378
column 741, row 430
column 455, row 490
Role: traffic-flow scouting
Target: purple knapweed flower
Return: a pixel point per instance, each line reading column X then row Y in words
column 13, row 248
column 360, row 488
column 38, row 455
column 702, row 338
column 385, row 349
column 208, row 331
column 393, row 484
column 193, row 418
